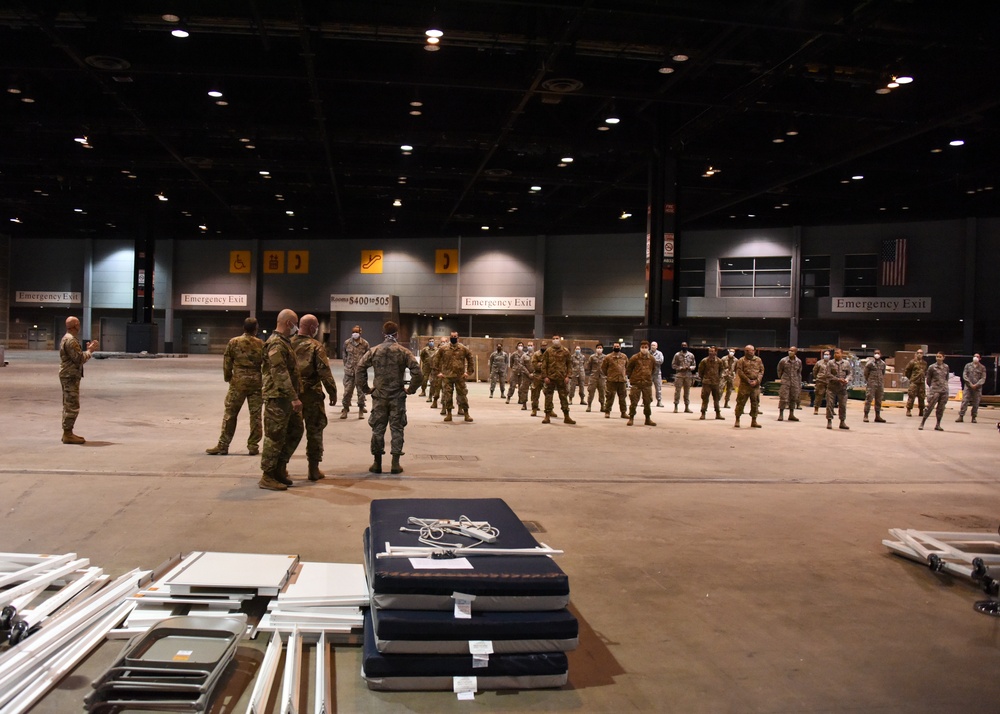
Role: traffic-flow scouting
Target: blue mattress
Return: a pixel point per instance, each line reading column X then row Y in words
column 498, row 582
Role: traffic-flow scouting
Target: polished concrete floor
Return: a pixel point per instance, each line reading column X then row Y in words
column 713, row 570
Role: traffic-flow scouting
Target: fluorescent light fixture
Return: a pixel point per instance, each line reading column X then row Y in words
column 956, row 142
column 436, row 34
column 180, row 32
column 406, row 147
column 214, row 93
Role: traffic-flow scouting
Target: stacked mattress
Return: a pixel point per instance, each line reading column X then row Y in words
column 468, row 623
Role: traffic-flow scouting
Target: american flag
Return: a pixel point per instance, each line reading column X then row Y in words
column 892, row 262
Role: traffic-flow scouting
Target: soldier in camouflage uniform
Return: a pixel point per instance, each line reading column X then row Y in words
column 750, row 370
column 390, row 360
column 613, row 369
column 498, row 369
column 684, row 369
column 639, row 371
column 426, row 356
column 453, row 364
column 728, row 374
column 916, row 371
column 790, row 375
column 820, row 375
column 974, row 376
column 577, row 374
column 537, row 378
column 518, row 373
column 710, row 371
column 557, row 368
column 874, row 371
column 937, row 399
column 241, row 369
column 658, row 372
column 314, row 371
column 282, row 406
column 840, row 373
column 71, row 360
column 354, row 347
column 596, row 379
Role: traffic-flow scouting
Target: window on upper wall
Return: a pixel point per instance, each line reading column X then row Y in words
column 691, row 277
column 861, row 275
column 755, row 277
column 814, row 275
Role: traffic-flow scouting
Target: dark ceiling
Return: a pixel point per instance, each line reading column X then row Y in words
column 320, row 94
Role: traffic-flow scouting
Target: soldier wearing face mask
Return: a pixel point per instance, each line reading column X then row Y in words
column 916, row 371
column 820, row 376
column 597, row 380
column 874, row 372
column 355, row 347
column 684, row 368
column 710, row 371
column 578, row 374
column 557, row 366
column 937, row 396
column 426, row 355
column 613, row 369
column 728, row 374
column 498, row 369
column 639, row 371
column 790, row 376
column 750, row 369
column 518, row 373
column 658, row 372
column 839, row 376
column 537, row 378
column 974, row 376
column 283, row 426
column 453, row 364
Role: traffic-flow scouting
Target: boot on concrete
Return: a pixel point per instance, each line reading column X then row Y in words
column 467, row 417
column 718, row 415
column 314, row 473
column 217, row 450
column 566, row 419
column 376, row 467
column 343, row 413
column 269, row 483
column 69, row 437
column 878, row 418
column 791, row 415
column 843, row 425
column 448, row 415
column 736, row 425
column 546, row 419
column 650, row 422
column 395, row 468
column 702, row 417
column 630, row 421
column 753, row 423
column 781, row 415
column 960, row 419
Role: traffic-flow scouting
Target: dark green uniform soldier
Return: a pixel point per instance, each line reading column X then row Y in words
column 453, row 364
column 557, row 368
column 710, row 370
column 282, row 406
column 639, row 371
column 241, row 369
column 390, row 360
column 71, row 359
column 314, row 371
column 613, row 369
column 916, row 371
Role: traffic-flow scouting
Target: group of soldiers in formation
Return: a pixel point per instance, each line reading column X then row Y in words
column 285, row 377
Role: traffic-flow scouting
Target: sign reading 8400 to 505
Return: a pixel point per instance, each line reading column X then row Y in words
column 360, row 303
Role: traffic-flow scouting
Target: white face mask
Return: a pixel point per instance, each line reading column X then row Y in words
column 644, row 350
column 600, row 350
column 826, row 356
column 878, row 356
column 520, row 348
column 293, row 330
column 975, row 359
column 355, row 335
column 555, row 343
column 731, row 353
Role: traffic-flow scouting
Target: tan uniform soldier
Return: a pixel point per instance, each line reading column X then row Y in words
column 314, row 371
column 596, row 380
column 282, row 406
column 453, row 363
column 354, row 348
column 820, row 375
column 613, row 369
column 71, row 360
column 426, row 356
column 710, row 370
column 241, row 369
column 790, row 375
column 639, row 371
column 750, row 370
column 916, row 371
column 557, row 368
column 728, row 374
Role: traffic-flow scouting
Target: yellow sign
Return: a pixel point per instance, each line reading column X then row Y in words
column 446, row 261
column 298, row 261
column 371, row 262
column 239, row 261
column 274, row 261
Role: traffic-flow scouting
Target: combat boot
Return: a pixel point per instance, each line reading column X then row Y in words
column 253, row 450
column 269, row 484
column 650, row 422
column 448, row 415
column 508, row 400
column 843, row 425
column 922, row 422
column 69, row 437
column 659, row 403
column 675, row 407
column 546, row 419
column 314, row 473
column 781, row 415
column 973, row 420
column 343, row 413
column 816, row 411
column 218, row 450
column 624, row 415
column 434, row 404
column 937, row 427
column 376, row 467
column 791, row 415
column 491, row 395
column 630, row 421
column 702, row 417
column 960, row 419
column 566, row 419
column 878, row 418
column 361, row 410
column 534, row 411
column 718, row 415
column 829, row 424
column 908, row 411
column 281, row 475
column 467, row 417
column 588, row 407
column 736, row 425
column 607, row 415
column 865, row 419
column 445, row 411
column 754, row 424
column 687, row 409
column 524, row 407
column 395, row 468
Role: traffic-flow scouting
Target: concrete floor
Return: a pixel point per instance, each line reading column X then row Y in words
column 713, row 570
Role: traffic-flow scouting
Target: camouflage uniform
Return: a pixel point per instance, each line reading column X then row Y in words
column 916, row 371
column 820, row 375
column 353, row 351
column 684, row 369
column 639, row 371
column 596, row 380
column 839, row 375
column 241, row 369
column 729, row 375
column 710, row 371
column 282, row 424
column 974, row 376
column 790, row 375
column 498, row 371
column 536, row 378
column 557, row 370
column 71, row 359
column 426, row 357
column 314, row 371
column 749, row 369
column 937, row 397
column 452, row 361
column 613, row 369
column 390, row 361
column 874, row 371
column 658, row 376
column 520, row 377
column 577, row 374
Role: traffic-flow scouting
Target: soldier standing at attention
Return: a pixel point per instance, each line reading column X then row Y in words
column 639, row 371
column 314, row 371
column 684, row 368
column 518, row 371
column 241, row 369
column 874, row 372
column 729, row 374
column 498, row 369
column 557, row 365
column 710, row 371
column 613, row 369
column 453, row 363
column 71, row 360
column 578, row 374
column 937, row 399
column 974, row 376
column 282, row 406
column 354, row 347
column 820, row 375
column 537, row 378
column 790, row 374
column 657, row 373
column 426, row 356
column 750, row 369
column 839, row 376
column 596, row 379
column 916, row 371
column 390, row 360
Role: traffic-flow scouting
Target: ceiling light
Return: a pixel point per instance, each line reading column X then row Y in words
column 485, row 228
column 431, row 48
column 882, row 90
column 416, row 104
column 680, row 57
column 264, row 173
column 436, row 34
column 536, row 188
column 27, row 100
column 15, row 220
column 214, row 93
column 162, row 197
column 612, row 120
column 567, row 159
column 289, row 213
column 397, row 203
column 222, row 102
column 433, row 40
column 936, row 151
column 170, row 18
column 77, row 210
column 792, row 132
column 131, row 176
column 13, row 89
column 406, row 147
column 415, row 112
column 180, row 32
column 666, row 69
column 778, row 140
column 956, row 142
column 857, row 177
column 625, row 215
column 250, row 146
column 244, row 140
column 903, row 79
column 203, row 227
column 80, row 140
column 602, row 127
column 892, row 85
